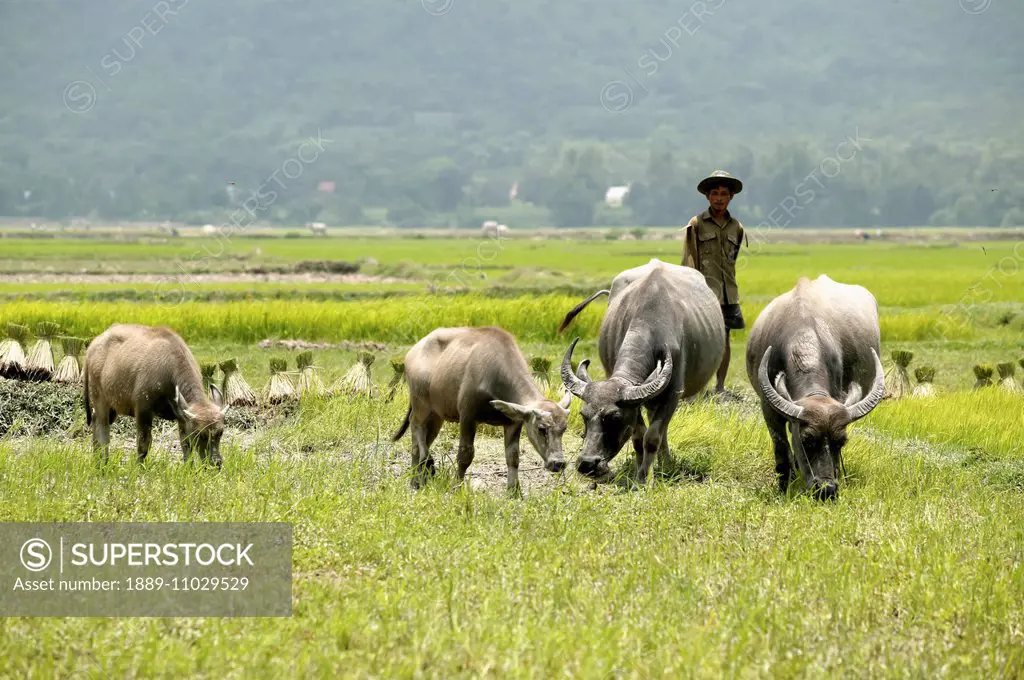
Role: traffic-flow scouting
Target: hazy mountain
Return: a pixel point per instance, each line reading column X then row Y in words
column 165, row 97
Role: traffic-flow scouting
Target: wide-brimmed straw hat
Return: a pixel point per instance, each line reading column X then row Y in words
column 719, row 177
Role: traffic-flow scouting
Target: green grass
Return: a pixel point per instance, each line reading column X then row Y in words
column 914, row 572
column 972, row 427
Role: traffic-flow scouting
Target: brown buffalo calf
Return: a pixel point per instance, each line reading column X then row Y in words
column 147, row 372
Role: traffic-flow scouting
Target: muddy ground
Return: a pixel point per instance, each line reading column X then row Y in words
column 55, row 411
column 227, row 277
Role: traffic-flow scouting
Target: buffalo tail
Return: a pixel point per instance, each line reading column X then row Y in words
column 85, row 390
column 579, row 308
column 405, row 425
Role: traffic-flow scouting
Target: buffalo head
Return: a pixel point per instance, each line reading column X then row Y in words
column 611, row 409
column 817, row 423
column 201, row 424
column 545, row 422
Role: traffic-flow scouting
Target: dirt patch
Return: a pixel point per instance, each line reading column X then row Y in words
column 489, row 471
column 327, row 266
column 172, row 279
column 365, row 346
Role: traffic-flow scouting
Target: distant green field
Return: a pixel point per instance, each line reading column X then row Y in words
column 899, row 275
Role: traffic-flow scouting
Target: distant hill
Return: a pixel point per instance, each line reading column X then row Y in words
column 161, row 102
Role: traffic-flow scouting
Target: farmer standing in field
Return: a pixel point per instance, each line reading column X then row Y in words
column 711, row 246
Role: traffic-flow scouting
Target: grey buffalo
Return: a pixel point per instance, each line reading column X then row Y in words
column 472, row 376
column 809, row 355
column 147, row 372
column 661, row 340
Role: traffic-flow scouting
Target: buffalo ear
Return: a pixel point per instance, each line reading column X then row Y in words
column 180, row 406
column 216, row 396
column 581, row 371
column 516, row 412
column 855, row 394
column 780, row 386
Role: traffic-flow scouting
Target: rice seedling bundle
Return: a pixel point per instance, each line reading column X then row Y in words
column 235, row 389
column 309, row 381
column 280, row 387
column 12, row 358
column 398, row 366
column 69, row 369
column 897, row 379
column 40, row 360
column 983, row 372
column 208, row 371
column 1006, row 379
column 356, row 381
column 924, row 376
column 541, row 367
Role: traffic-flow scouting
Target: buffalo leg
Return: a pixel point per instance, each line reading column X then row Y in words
column 101, row 430
column 652, row 445
column 638, row 440
column 144, row 433
column 512, row 435
column 414, row 454
column 467, row 436
column 186, row 444
column 664, row 457
column 656, row 436
column 432, row 427
column 419, row 454
column 777, row 431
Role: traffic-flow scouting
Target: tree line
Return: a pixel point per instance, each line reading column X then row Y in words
column 855, row 182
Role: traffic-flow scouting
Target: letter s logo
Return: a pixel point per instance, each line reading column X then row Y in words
column 36, row 554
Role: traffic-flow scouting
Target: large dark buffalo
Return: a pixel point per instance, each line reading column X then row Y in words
column 661, row 340
column 808, row 355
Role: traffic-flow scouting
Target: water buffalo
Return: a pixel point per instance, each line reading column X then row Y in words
column 661, row 340
column 144, row 371
column 472, row 376
column 820, row 341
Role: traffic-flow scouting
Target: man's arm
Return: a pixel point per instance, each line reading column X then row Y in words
column 690, row 246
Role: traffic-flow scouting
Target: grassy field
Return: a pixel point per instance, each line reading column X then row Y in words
column 915, row 572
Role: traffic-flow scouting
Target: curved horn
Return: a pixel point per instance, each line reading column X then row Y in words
column 569, row 379
column 865, row 405
column 581, row 371
column 650, row 389
column 778, row 402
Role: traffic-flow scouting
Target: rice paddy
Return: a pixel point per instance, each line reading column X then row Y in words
column 915, row 572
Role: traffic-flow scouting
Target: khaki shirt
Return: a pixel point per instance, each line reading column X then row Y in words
column 712, row 249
